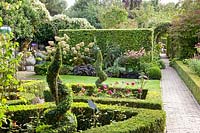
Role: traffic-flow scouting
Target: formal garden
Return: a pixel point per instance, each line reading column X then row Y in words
column 97, row 65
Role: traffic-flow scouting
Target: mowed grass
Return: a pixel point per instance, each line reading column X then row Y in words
column 150, row 84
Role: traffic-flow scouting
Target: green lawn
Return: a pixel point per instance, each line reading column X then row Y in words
column 151, row 84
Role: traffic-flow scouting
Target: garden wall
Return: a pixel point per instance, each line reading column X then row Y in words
column 190, row 79
column 126, row 39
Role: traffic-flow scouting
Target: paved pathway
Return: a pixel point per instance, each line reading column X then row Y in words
column 183, row 112
column 25, row 75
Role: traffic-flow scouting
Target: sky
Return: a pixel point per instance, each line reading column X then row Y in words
column 71, row 2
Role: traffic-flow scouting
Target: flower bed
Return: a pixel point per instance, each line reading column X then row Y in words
column 152, row 96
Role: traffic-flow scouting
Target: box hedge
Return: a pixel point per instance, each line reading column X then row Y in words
column 126, row 39
column 138, row 120
column 31, row 88
column 191, row 79
column 152, row 99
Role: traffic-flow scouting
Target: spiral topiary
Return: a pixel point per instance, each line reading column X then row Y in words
column 99, row 71
column 58, row 119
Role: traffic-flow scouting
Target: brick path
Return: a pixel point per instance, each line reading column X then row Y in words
column 183, row 112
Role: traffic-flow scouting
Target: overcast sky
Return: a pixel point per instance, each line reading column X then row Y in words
column 71, row 2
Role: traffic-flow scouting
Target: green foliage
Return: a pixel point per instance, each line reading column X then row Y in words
column 149, row 16
column 115, row 70
column 161, row 64
column 48, row 29
column 154, row 73
column 34, row 86
column 88, row 9
column 41, row 69
column 23, row 17
column 55, row 6
column 144, row 121
column 184, row 32
column 112, row 17
column 8, row 63
column 194, row 64
column 190, row 79
column 87, row 89
column 125, row 39
column 102, row 76
column 139, row 119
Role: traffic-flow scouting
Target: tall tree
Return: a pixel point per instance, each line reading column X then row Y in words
column 55, row 6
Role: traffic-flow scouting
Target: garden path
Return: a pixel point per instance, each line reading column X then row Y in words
column 182, row 110
column 25, row 75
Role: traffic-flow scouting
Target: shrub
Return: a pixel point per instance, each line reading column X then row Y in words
column 194, row 64
column 84, row 70
column 34, row 86
column 154, row 72
column 41, row 69
column 161, row 64
column 48, row 29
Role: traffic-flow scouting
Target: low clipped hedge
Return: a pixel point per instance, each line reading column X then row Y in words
column 190, row 78
column 31, row 88
column 138, row 120
column 126, row 39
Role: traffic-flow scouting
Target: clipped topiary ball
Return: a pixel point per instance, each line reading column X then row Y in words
column 154, row 73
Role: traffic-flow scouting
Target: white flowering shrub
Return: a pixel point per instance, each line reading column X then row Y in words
column 80, row 54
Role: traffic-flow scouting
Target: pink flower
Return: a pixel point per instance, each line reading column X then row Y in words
column 128, row 91
column 99, row 90
column 105, row 87
column 139, row 90
column 110, row 92
column 83, row 89
column 127, row 83
column 133, row 83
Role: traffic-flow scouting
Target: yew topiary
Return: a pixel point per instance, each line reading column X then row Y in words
column 99, row 71
column 58, row 119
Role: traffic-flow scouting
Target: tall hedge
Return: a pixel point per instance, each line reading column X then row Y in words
column 124, row 38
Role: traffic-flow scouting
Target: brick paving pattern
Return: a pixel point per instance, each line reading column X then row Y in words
column 183, row 112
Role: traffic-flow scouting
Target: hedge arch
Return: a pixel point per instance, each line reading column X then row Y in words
column 160, row 30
